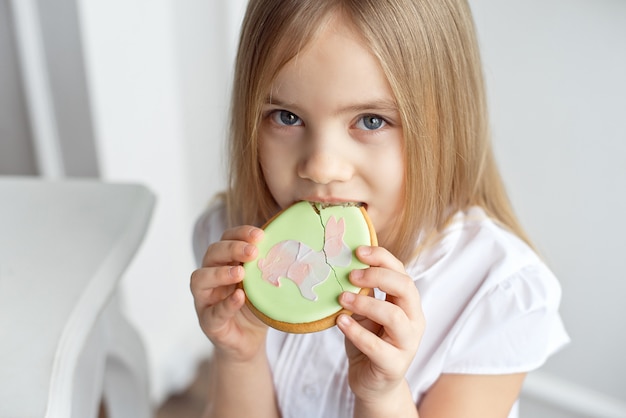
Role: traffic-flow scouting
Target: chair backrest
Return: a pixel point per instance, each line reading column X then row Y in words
column 63, row 247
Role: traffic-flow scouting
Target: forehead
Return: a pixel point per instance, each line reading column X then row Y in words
column 336, row 63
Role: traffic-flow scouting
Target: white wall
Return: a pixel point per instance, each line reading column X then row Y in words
column 159, row 71
column 16, row 149
column 556, row 73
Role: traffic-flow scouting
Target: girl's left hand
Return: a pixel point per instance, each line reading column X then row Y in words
column 382, row 336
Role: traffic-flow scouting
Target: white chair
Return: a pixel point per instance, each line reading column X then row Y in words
column 64, row 344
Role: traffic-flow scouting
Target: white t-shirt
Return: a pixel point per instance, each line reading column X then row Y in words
column 491, row 307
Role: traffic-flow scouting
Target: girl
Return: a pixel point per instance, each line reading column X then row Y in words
column 380, row 102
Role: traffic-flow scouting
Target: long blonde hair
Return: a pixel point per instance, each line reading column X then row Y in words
column 429, row 53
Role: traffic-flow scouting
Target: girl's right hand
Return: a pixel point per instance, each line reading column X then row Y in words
column 220, row 304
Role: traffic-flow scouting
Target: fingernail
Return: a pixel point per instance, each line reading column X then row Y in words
column 347, row 297
column 356, row 275
column 256, row 234
column 344, row 320
column 249, row 250
column 364, row 250
column 235, row 271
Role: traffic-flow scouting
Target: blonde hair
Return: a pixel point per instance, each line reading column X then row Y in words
column 429, row 52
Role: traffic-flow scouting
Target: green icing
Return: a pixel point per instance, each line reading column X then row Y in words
column 302, row 223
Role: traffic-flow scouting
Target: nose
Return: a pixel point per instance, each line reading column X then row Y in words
column 325, row 166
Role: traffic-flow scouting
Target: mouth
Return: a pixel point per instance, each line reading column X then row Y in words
column 324, row 200
column 326, row 203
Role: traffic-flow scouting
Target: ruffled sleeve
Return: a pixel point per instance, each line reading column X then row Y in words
column 514, row 326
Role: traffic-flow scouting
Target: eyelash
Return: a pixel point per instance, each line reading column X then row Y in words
column 276, row 117
column 362, row 119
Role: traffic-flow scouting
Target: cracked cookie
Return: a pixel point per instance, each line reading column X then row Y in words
column 303, row 265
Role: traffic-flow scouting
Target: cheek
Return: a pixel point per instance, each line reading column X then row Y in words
column 391, row 179
column 265, row 161
column 391, row 185
column 275, row 171
column 272, row 175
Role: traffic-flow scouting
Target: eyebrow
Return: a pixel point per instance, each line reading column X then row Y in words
column 368, row 106
column 375, row 105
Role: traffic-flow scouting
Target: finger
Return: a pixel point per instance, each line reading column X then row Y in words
column 367, row 323
column 211, row 285
column 236, row 246
column 217, row 318
column 213, row 277
column 379, row 257
column 247, row 233
column 399, row 287
column 229, row 252
column 399, row 330
column 364, row 340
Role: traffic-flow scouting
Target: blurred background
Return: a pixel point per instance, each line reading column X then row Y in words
column 138, row 91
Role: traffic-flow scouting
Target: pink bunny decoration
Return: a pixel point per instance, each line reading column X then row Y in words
column 304, row 266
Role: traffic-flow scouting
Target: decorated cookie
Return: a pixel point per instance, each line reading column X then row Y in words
column 303, row 265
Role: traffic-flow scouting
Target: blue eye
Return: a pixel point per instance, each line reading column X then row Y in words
column 283, row 117
column 370, row 122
